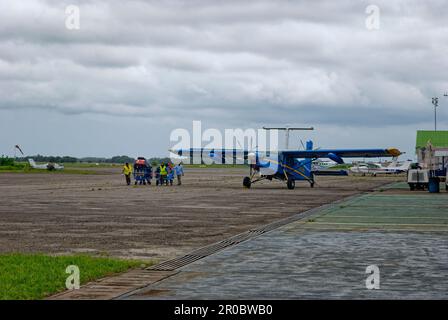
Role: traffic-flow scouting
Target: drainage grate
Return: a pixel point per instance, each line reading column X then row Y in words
column 205, row 251
column 198, row 254
column 174, row 264
column 195, row 255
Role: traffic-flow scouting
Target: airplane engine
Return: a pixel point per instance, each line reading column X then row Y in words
column 252, row 157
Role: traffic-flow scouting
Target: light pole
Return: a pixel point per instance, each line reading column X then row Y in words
column 435, row 102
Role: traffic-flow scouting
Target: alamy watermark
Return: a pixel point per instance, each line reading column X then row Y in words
column 372, row 21
column 73, row 17
column 224, row 143
column 73, row 280
column 373, row 280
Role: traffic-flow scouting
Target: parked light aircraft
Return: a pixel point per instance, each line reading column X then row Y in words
column 378, row 168
column 48, row 166
column 287, row 165
column 320, row 164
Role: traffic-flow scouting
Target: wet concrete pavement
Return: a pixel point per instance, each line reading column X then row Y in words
column 325, row 256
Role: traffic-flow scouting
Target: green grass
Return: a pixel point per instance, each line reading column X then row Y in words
column 69, row 168
column 65, row 171
column 25, row 168
column 343, row 166
column 36, row 276
column 12, row 166
column 92, row 165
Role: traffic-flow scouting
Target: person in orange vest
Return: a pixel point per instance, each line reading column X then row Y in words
column 127, row 171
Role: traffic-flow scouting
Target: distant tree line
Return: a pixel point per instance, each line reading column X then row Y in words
column 6, row 161
column 68, row 159
column 157, row 161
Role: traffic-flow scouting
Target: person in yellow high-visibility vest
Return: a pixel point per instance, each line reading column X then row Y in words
column 127, row 171
column 163, row 174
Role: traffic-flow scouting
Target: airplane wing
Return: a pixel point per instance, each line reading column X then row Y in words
column 338, row 154
column 213, row 154
column 333, row 154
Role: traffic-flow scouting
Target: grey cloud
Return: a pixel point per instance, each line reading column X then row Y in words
column 227, row 62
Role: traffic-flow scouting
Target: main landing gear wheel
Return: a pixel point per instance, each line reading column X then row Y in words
column 246, row 182
column 291, row 184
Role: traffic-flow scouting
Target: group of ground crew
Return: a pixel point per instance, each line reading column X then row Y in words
column 143, row 173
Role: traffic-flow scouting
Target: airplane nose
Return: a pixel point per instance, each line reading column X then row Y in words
column 178, row 152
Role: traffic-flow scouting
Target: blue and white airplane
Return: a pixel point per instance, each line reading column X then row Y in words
column 286, row 165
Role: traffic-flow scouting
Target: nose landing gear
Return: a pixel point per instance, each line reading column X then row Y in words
column 247, row 182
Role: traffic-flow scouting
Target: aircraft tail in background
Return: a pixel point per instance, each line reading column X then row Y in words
column 393, row 163
column 405, row 166
column 32, row 163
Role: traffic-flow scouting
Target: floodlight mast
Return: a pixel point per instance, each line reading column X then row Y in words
column 287, row 129
column 435, row 102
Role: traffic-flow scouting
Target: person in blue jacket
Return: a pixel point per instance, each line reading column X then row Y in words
column 179, row 170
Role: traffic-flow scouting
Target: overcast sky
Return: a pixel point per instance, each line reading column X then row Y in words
column 136, row 70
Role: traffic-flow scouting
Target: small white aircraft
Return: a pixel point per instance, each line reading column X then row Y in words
column 378, row 168
column 320, row 164
column 48, row 166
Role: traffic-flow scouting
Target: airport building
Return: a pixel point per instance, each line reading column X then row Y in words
column 432, row 149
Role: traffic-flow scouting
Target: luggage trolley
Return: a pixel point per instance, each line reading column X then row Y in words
column 142, row 171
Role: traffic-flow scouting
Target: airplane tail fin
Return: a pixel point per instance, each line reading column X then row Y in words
column 393, row 162
column 406, row 165
column 32, row 163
